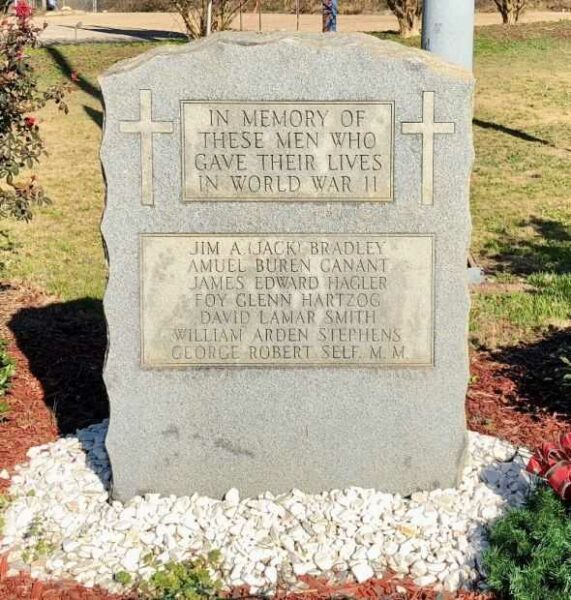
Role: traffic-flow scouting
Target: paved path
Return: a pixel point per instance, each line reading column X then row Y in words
column 120, row 27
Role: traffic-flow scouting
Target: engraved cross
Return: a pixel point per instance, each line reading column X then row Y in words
column 146, row 127
column 428, row 128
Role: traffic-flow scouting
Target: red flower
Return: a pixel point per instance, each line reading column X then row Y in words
column 31, row 121
column 23, row 10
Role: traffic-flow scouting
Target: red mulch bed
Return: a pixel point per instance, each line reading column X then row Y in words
column 23, row 587
column 519, row 394
column 390, row 587
column 516, row 394
column 30, row 422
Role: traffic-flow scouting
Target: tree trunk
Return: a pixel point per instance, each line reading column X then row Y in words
column 510, row 10
column 409, row 27
column 408, row 13
column 509, row 16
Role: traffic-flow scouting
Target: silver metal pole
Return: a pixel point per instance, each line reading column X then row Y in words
column 448, row 30
column 94, row 6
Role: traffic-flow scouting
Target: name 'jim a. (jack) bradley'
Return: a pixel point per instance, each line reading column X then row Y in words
column 289, row 247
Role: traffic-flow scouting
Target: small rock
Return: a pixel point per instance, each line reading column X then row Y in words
column 425, row 580
column 131, row 559
column 491, row 476
column 489, row 513
column 390, row 548
column 302, row 568
column 323, row 560
column 362, row 572
column 374, row 552
column 271, row 574
column 232, row 496
column 452, row 582
column 418, row 568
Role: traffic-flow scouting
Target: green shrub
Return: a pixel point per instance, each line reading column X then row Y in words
column 4, row 502
column 20, row 143
column 530, row 550
column 123, row 577
column 188, row 580
column 7, row 369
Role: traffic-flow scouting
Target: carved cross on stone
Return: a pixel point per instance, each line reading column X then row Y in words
column 146, row 127
column 428, row 128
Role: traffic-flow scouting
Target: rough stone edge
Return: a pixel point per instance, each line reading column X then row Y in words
column 342, row 40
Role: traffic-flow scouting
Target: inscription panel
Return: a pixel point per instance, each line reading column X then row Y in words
column 287, row 151
column 287, row 300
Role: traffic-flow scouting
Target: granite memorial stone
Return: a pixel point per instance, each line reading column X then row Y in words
column 287, row 228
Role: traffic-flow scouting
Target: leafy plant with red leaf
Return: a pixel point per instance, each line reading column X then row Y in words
column 552, row 462
column 20, row 143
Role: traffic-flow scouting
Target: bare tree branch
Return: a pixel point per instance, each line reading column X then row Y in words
column 193, row 14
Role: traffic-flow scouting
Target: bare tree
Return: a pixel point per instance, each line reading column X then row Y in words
column 194, row 14
column 408, row 13
column 510, row 10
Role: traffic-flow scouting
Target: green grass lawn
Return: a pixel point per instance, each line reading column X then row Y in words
column 521, row 186
column 521, row 189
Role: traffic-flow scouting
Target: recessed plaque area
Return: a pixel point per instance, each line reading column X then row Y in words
column 287, row 300
column 288, row 150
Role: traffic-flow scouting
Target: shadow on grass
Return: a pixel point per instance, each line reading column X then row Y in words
column 517, row 133
column 549, row 250
column 65, row 345
column 67, row 70
column 95, row 115
column 133, row 34
column 541, row 374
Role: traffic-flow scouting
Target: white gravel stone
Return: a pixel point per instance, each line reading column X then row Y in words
column 61, row 495
column 323, row 559
column 391, row 548
column 232, row 496
column 452, row 581
column 418, row 568
column 425, row 580
column 362, row 572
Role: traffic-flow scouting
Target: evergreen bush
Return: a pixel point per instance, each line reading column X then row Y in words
column 530, row 550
